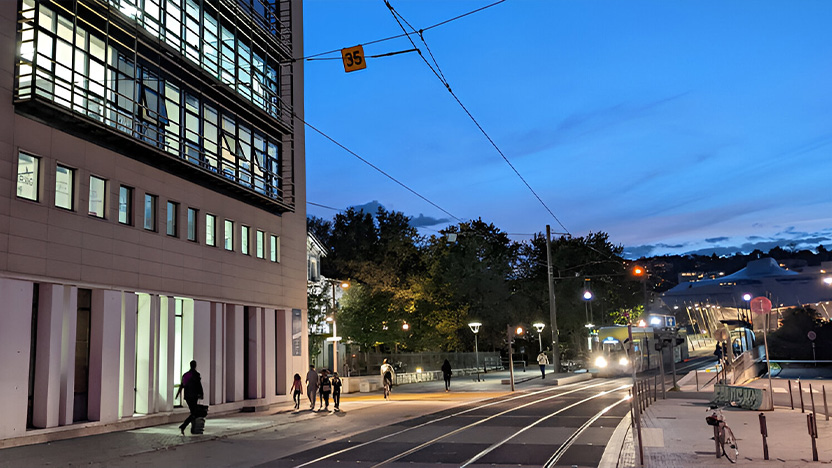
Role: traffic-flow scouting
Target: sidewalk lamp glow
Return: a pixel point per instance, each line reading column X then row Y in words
column 587, row 295
column 405, row 326
column 827, row 280
column 475, row 327
column 746, row 297
column 539, row 326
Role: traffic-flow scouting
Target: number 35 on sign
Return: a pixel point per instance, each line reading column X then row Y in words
column 353, row 58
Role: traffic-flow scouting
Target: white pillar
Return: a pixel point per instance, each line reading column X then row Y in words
column 268, row 340
column 68, row 336
column 166, row 379
column 147, row 349
column 234, row 352
column 47, row 391
column 127, row 376
column 217, row 361
column 201, row 313
column 254, row 322
column 105, row 358
column 15, row 340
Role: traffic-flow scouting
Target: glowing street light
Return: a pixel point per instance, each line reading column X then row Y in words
column 475, row 327
column 539, row 326
column 335, row 338
column 511, row 334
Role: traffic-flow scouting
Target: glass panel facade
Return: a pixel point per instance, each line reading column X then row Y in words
column 72, row 62
column 192, row 215
column 97, row 196
column 260, row 244
column 172, row 227
column 244, row 238
column 228, row 232
column 125, row 205
column 210, row 229
column 64, row 186
column 28, row 176
column 274, row 248
column 150, row 212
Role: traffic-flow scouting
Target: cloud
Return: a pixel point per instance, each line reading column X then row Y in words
column 422, row 220
column 746, row 245
column 716, row 240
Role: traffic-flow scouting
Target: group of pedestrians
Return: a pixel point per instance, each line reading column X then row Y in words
column 318, row 387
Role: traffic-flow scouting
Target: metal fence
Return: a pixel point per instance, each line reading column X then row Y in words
column 370, row 363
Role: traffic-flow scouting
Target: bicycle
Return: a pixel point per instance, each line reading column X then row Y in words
column 724, row 435
column 387, row 388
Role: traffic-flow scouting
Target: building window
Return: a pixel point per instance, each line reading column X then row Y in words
column 28, row 176
column 125, row 205
column 98, row 188
column 260, row 241
column 150, row 212
column 229, row 235
column 210, row 230
column 173, row 219
column 192, row 213
column 244, row 235
column 64, row 181
column 274, row 248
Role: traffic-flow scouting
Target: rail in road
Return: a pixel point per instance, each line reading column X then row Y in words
column 556, row 426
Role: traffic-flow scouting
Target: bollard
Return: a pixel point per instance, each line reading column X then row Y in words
column 655, row 387
column 764, row 433
column 791, row 399
column 800, row 390
column 812, row 396
column 632, row 402
column 696, row 374
column 825, row 409
column 813, row 434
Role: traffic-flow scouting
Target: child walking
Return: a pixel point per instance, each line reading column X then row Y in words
column 297, row 390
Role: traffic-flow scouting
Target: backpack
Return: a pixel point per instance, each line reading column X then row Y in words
column 326, row 387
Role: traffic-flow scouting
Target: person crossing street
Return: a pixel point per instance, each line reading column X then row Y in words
column 542, row 361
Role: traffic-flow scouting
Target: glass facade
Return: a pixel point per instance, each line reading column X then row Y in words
column 64, row 187
column 97, row 195
column 87, row 63
column 150, row 212
column 28, row 176
column 125, row 205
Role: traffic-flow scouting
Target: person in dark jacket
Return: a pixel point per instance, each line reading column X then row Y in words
column 446, row 373
column 192, row 386
column 325, row 389
column 336, row 391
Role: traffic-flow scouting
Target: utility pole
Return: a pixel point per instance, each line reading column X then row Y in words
column 553, row 311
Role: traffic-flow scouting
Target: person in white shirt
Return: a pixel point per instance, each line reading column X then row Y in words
column 543, row 361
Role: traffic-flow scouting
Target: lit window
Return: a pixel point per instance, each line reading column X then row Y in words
column 274, row 245
column 150, row 212
column 192, row 213
column 28, row 176
column 125, row 205
column 98, row 188
column 261, row 238
column 229, row 235
column 64, row 181
column 244, row 236
column 210, row 229
column 173, row 219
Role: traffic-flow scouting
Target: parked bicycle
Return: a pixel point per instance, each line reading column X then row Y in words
column 725, row 436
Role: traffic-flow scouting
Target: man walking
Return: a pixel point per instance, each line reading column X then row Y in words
column 192, row 385
column 542, row 361
column 312, row 386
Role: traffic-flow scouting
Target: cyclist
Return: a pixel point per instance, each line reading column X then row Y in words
column 387, row 373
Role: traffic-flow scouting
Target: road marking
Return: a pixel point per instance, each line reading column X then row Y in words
column 448, row 417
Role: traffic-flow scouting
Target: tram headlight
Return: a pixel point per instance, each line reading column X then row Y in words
column 623, row 361
column 600, row 361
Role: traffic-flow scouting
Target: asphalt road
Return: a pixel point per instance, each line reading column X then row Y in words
column 548, row 426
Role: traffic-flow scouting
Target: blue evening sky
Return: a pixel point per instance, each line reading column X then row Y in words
column 672, row 125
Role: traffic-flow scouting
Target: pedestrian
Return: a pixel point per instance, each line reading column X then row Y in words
column 312, row 386
column 326, row 389
column 387, row 377
column 542, row 361
column 297, row 389
column 192, row 386
column 718, row 352
column 446, row 373
column 336, row 391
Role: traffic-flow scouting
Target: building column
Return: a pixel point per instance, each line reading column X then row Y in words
column 47, row 388
column 127, row 376
column 234, row 323
column 105, row 358
column 166, row 379
column 200, row 312
column 268, row 339
column 15, row 341
column 68, row 336
column 254, row 322
column 217, row 350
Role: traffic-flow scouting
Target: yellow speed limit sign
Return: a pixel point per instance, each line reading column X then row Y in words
column 353, row 58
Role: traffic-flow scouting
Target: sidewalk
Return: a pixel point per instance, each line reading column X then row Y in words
column 675, row 434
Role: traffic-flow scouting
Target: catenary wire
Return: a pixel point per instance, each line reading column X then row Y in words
column 396, row 16
column 406, row 33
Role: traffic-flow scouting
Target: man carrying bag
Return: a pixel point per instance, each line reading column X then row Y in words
column 192, row 386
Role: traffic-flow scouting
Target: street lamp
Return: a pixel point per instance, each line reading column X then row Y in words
column 511, row 333
column 475, row 327
column 335, row 338
column 539, row 327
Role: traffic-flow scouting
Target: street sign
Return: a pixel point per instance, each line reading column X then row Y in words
column 760, row 305
column 669, row 321
column 353, row 58
column 812, row 335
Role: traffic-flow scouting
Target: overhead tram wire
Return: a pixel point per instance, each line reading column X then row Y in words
column 396, row 16
column 309, row 57
column 379, row 170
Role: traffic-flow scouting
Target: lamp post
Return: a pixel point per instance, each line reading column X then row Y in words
column 539, row 326
column 475, row 327
column 335, row 338
column 511, row 333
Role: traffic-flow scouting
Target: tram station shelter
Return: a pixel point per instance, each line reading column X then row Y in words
column 152, row 207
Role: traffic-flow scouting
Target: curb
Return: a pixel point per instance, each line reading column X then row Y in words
column 612, row 454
